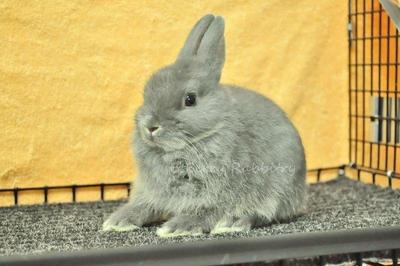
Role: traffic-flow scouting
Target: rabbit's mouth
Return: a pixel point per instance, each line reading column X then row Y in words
column 171, row 140
column 166, row 145
column 162, row 142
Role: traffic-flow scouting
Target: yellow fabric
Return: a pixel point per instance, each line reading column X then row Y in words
column 72, row 75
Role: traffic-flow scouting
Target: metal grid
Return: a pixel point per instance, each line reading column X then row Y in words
column 72, row 188
column 374, row 97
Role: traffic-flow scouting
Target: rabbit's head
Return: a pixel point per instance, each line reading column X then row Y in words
column 183, row 102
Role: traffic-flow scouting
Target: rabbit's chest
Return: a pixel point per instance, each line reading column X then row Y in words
column 182, row 174
column 181, row 179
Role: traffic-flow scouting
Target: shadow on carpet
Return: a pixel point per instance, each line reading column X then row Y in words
column 334, row 205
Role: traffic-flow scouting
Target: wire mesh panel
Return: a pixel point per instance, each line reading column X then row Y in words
column 374, row 73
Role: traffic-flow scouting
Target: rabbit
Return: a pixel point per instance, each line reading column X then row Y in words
column 212, row 158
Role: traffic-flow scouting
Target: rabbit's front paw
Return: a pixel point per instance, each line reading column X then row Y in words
column 182, row 226
column 231, row 224
column 122, row 219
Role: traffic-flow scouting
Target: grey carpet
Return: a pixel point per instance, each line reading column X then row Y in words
column 338, row 204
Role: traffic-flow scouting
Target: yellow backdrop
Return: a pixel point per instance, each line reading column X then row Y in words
column 72, row 75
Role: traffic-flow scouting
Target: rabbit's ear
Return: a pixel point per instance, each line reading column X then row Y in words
column 212, row 45
column 189, row 49
column 206, row 43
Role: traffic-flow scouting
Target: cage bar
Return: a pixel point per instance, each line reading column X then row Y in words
column 229, row 251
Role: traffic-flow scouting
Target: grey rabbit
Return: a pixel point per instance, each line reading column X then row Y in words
column 212, row 158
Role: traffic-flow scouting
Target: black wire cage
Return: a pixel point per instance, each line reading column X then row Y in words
column 374, row 157
column 374, row 105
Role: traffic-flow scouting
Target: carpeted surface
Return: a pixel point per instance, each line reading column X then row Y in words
column 338, row 204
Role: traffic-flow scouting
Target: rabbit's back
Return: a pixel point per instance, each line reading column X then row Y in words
column 271, row 141
column 265, row 121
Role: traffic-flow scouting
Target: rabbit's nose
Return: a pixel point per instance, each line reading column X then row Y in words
column 153, row 129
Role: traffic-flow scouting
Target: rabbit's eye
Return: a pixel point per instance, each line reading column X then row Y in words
column 190, row 99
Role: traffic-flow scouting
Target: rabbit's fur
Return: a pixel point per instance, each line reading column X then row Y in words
column 230, row 162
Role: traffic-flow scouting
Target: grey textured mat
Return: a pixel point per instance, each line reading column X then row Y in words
column 338, row 204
